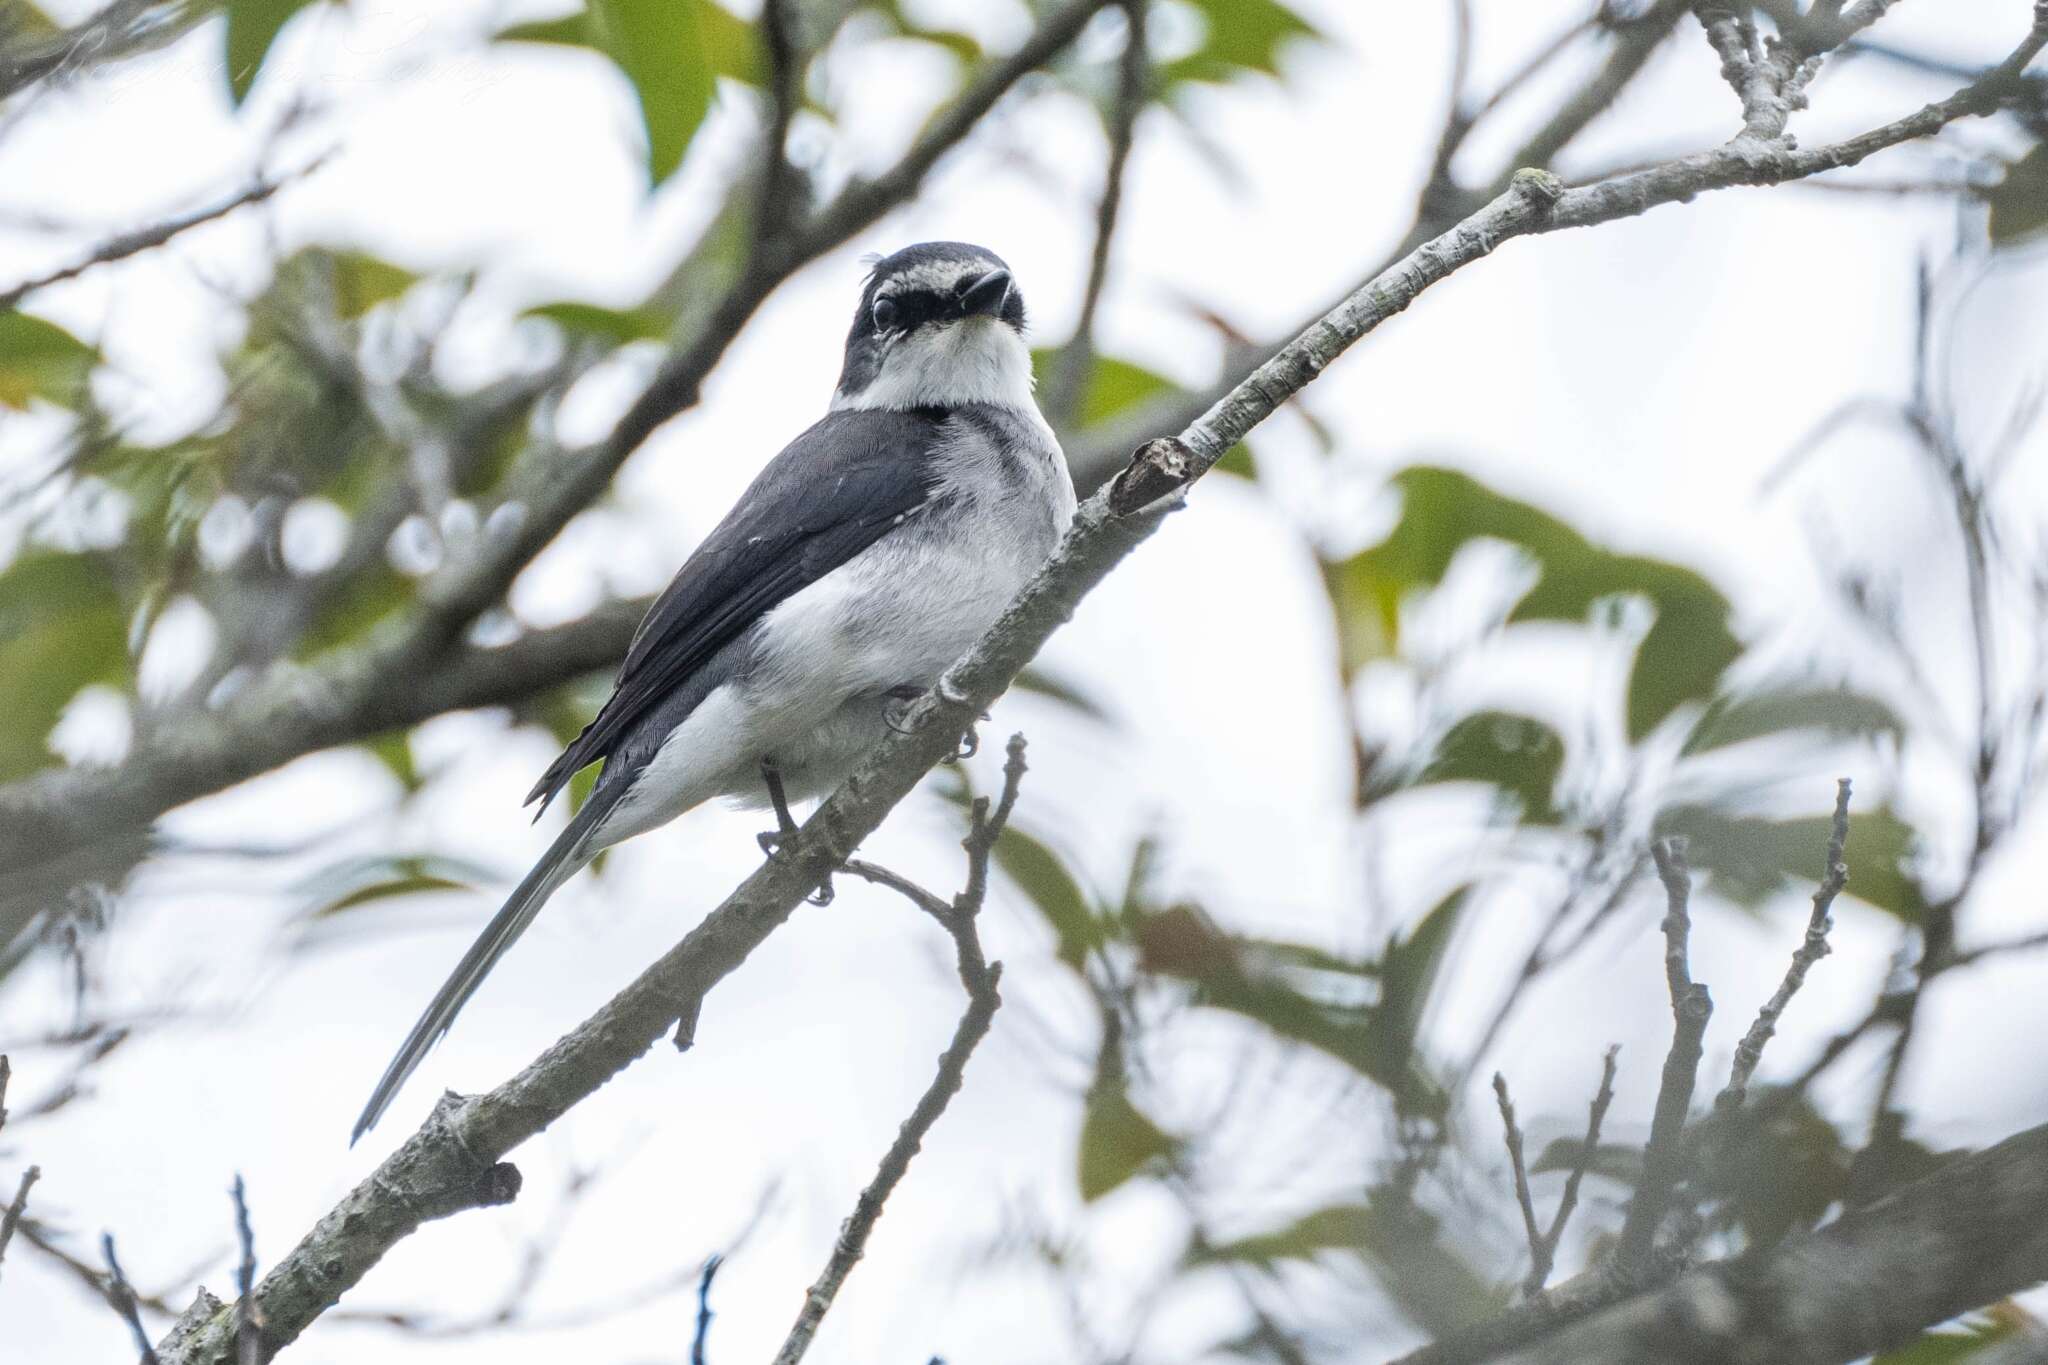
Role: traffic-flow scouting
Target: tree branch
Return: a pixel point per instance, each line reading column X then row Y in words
column 1596, row 1115
column 981, row 979
column 1971, row 1233
column 1834, row 876
column 157, row 234
column 1511, row 1134
column 1691, row 1007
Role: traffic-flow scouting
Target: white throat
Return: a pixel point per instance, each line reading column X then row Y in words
column 973, row 360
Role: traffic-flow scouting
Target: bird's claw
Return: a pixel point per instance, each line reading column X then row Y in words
column 775, row 842
column 970, row 742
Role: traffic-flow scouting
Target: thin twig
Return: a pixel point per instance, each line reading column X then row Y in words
column 697, row 1343
column 981, row 978
column 157, row 234
column 1070, row 374
column 1691, row 1007
column 121, row 1295
column 1511, row 1134
column 1834, row 876
column 248, row 1327
column 1970, row 956
column 12, row 1218
column 1568, row 1201
column 854, row 1234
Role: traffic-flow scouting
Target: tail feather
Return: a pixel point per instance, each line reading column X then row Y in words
column 564, row 858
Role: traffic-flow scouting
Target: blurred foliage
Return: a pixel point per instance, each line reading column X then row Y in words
column 39, row 359
column 2019, row 201
column 1680, row 659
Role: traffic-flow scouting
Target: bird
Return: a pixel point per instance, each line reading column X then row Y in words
column 863, row 561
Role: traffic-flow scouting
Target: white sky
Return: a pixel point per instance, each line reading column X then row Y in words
column 1639, row 378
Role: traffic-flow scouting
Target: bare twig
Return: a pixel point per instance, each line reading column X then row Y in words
column 248, row 1326
column 1973, row 1231
column 1971, row 956
column 121, row 1295
column 703, row 1333
column 1070, row 372
column 1511, row 1134
column 11, row 1219
column 155, row 235
column 1691, row 1007
column 980, row 977
column 1834, row 876
column 1568, row 1201
column 853, row 1235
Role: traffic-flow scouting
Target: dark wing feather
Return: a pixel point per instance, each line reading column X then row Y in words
column 830, row 494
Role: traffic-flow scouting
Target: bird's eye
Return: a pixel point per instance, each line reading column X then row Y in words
column 885, row 314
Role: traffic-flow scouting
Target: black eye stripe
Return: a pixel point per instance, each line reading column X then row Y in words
column 908, row 309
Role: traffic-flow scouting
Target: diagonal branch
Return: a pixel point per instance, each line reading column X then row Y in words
column 1834, row 876
column 1971, row 1233
column 155, row 235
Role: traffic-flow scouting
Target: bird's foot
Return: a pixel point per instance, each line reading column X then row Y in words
column 777, row 841
column 970, row 742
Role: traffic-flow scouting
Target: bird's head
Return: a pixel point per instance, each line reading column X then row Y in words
column 940, row 324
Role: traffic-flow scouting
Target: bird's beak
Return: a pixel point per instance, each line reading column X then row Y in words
column 985, row 296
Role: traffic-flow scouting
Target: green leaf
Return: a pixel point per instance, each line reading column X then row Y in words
column 571, row 30
column 40, row 360
column 1407, row 973
column 1044, row 879
column 1517, row 754
column 27, row 21
column 375, row 595
column 253, row 25
column 358, row 881
column 1338, row 1227
column 1071, row 695
column 1242, row 36
column 1323, row 1009
column 1839, row 711
column 729, row 42
column 1116, row 1142
column 394, row 750
column 2019, row 202
column 362, row 281
column 618, row 325
column 62, row 627
column 1965, row 1341
column 1680, row 659
column 1113, row 385
column 1432, row 1284
column 1616, row 1161
column 660, row 46
column 1753, row 857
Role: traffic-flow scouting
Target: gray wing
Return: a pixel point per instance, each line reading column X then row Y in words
column 829, row 495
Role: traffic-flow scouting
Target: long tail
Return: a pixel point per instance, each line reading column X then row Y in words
column 564, row 858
